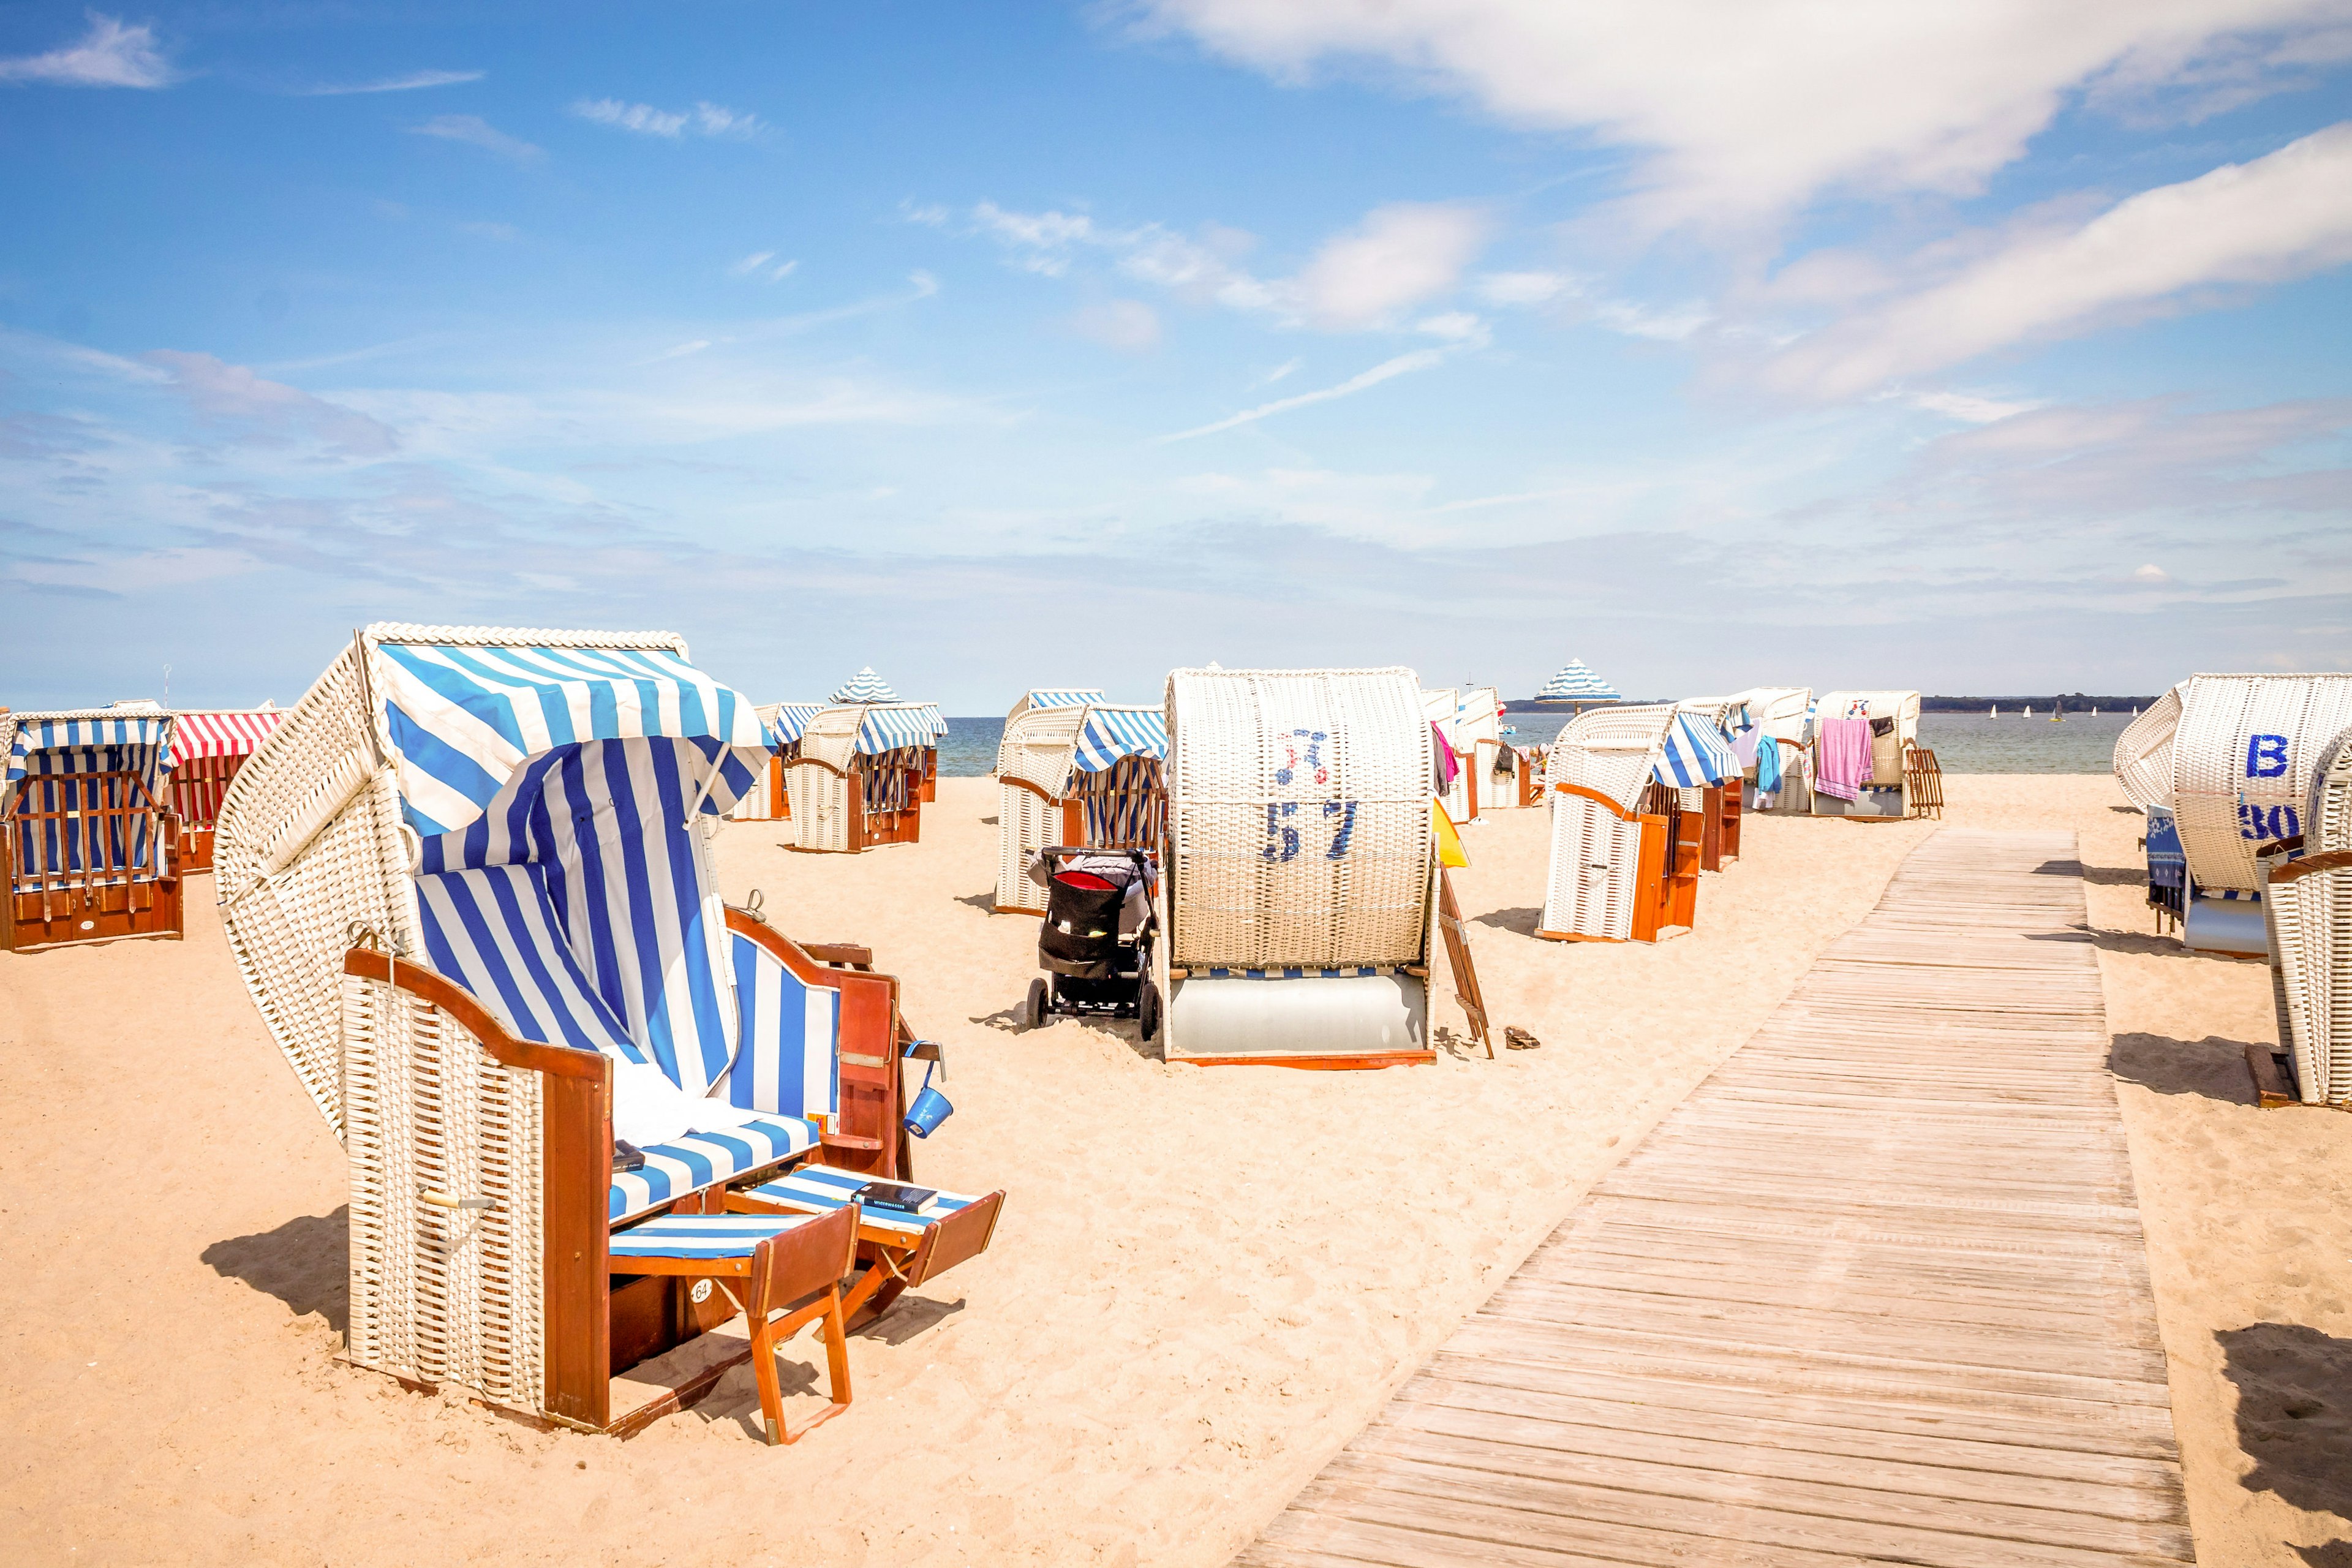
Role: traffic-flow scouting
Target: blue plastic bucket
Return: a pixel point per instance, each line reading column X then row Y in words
column 930, row 1109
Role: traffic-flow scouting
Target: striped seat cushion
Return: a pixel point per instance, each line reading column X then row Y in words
column 673, row 1169
column 710, row 1235
column 820, row 1189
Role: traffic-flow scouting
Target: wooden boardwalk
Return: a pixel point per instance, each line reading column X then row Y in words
column 1875, row 1292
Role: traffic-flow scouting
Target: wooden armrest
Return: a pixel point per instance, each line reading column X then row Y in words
column 559, row 1061
column 2331, row 860
column 849, row 955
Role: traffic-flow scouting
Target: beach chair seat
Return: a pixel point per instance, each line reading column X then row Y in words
column 705, row 1160
column 899, row 1249
column 791, row 1264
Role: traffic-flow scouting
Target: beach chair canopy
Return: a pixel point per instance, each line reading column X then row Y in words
column 2245, row 750
column 1614, row 752
column 2142, row 756
column 205, row 735
column 1050, row 744
column 864, row 687
column 789, row 721
column 86, row 740
column 65, row 770
column 1576, row 683
column 1903, row 707
column 1780, row 712
column 1112, row 733
column 1693, row 755
column 1299, row 822
column 1054, row 697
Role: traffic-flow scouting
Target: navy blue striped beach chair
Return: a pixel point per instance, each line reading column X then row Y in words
column 495, row 844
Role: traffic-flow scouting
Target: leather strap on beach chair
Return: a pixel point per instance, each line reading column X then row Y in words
column 779, row 1261
column 899, row 1249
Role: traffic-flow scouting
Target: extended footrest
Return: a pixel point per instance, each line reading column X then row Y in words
column 901, row 1248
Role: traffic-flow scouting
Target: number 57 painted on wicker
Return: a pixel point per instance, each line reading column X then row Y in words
column 1282, row 839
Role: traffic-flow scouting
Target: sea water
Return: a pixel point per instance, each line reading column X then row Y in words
column 1963, row 742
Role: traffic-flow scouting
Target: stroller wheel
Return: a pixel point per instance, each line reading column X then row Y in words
column 1146, row 1010
column 1036, row 1005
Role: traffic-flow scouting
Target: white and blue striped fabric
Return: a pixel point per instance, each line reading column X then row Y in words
column 1061, row 697
column 1577, row 683
column 713, row 1236
column 890, row 729
column 699, row 1160
column 605, row 822
column 789, row 1064
column 937, row 721
column 865, row 687
column 1694, row 754
column 792, row 721
column 820, row 1189
column 466, row 718
column 1110, row 733
column 141, row 741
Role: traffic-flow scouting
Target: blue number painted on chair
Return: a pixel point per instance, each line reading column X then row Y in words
column 2261, row 826
column 2265, row 756
column 1281, row 843
column 1345, row 810
column 1314, row 738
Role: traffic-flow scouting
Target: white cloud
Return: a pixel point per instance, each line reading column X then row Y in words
column 1127, row 325
column 476, row 131
column 1968, row 408
column 1524, row 287
column 1399, row 256
column 703, row 118
column 1454, row 326
column 409, row 83
column 1748, row 111
column 2152, row 573
column 108, row 54
column 1387, row 370
column 2284, row 216
column 751, row 264
column 269, row 411
column 1288, row 367
column 1672, row 325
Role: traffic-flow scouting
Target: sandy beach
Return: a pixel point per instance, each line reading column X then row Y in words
column 1204, row 1282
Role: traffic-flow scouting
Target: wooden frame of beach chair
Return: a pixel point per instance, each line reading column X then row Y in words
column 208, row 746
column 89, row 844
column 1923, row 782
column 1073, row 769
column 2244, row 751
column 858, row 780
column 1624, row 854
column 1878, row 802
column 897, row 1251
column 391, row 965
column 1299, row 891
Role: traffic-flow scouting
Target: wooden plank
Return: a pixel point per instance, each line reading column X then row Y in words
column 1875, row 1292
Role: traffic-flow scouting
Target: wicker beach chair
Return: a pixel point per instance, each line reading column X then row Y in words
column 1887, row 796
column 86, row 832
column 862, row 774
column 2308, row 910
column 1300, row 884
column 1074, row 770
column 2143, row 755
column 467, row 882
column 2244, row 751
column 1624, row 860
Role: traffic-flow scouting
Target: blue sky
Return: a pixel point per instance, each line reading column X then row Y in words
column 1979, row 349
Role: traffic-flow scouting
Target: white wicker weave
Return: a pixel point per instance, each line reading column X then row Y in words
column 2243, row 754
column 819, row 795
column 1039, row 748
column 2144, row 753
column 2309, row 920
column 1291, row 850
column 1595, row 876
column 1610, row 750
column 312, row 859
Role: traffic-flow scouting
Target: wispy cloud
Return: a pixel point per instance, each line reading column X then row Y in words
column 1387, row 370
column 411, row 82
column 1129, row 325
column 703, row 118
column 476, row 131
column 108, row 54
column 756, row 266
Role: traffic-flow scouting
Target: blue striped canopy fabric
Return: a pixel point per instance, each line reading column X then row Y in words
column 1112, row 733
column 149, row 733
column 632, row 893
column 890, row 729
column 1694, row 754
column 936, row 719
column 714, row 1236
column 865, row 687
column 1576, row 683
column 1061, row 697
column 792, row 721
column 790, row 1063
column 820, row 1189
column 466, row 718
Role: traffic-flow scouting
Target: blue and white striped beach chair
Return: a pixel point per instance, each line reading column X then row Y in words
column 469, row 886
column 87, row 835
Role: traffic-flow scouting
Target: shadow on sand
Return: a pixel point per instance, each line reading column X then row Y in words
column 2214, row 1067
column 305, row 1263
column 2295, row 1418
column 1521, row 920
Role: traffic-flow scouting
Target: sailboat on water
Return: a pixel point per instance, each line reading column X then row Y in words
column 2058, row 713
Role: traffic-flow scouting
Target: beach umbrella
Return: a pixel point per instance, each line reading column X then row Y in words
column 1577, row 683
column 865, row 687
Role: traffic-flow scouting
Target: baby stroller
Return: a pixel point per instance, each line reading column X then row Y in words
column 1096, row 948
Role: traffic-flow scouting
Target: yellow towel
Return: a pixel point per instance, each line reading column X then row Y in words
column 1449, row 842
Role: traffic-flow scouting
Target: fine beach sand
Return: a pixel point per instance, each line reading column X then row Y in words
column 1204, row 1281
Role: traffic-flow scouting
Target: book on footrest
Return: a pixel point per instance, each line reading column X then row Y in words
column 897, row 1197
